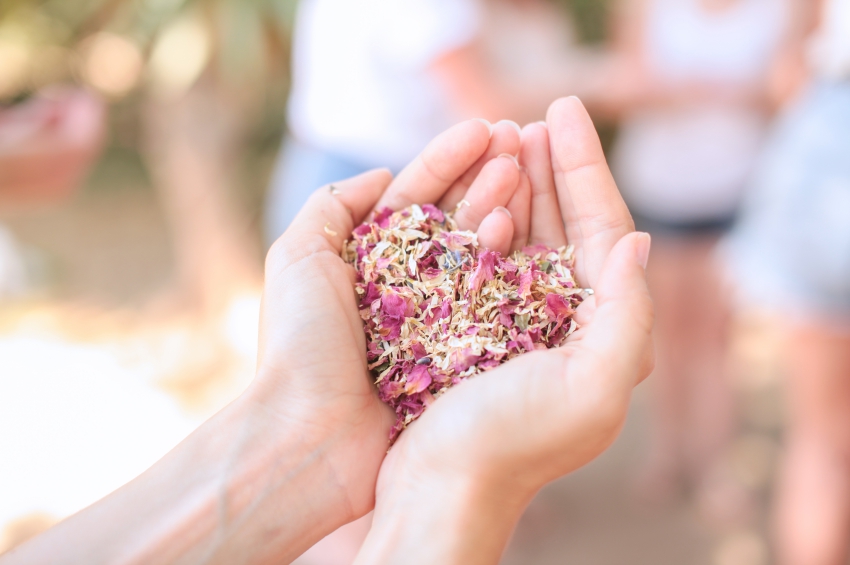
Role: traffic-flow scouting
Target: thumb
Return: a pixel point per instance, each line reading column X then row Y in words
column 326, row 220
column 620, row 333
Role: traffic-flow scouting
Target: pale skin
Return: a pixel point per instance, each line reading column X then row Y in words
column 300, row 453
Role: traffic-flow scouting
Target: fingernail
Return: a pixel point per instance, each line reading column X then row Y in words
column 512, row 158
column 486, row 123
column 512, row 124
column 504, row 210
column 642, row 247
column 544, row 124
column 574, row 96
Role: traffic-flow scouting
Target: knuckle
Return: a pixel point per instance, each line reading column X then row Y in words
column 432, row 167
column 606, row 223
column 290, row 249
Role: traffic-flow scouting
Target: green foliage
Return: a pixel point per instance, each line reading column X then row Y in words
column 237, row 26
column 591, row 18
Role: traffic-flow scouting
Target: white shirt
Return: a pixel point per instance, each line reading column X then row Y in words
column 691, row 163
column 361, row 87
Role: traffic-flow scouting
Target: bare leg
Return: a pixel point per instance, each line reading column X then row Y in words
column 663, row 469
column 720, row 497
column 693, row 403
column 813, row 515
column 712, row 418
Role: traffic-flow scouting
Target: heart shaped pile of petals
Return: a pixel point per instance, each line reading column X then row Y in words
column 438, row 309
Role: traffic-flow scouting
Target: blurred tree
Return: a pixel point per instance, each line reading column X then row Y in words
column 591, row 17
column 201, row 77
column 169, row 43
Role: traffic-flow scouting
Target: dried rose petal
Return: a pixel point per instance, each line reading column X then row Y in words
column 437, row 309
column 484, row 271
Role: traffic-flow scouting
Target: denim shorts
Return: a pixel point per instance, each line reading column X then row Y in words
column 791, row 248
column 686, row 229
column 300, row 170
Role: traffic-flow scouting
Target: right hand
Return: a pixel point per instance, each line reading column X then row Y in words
column 491, row 442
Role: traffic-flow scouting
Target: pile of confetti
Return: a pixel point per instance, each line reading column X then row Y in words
column 438, row 309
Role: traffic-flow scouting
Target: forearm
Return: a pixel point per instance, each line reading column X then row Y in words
column 447, row 522
column 221, row 496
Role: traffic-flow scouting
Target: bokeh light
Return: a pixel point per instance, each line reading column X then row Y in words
column 111, row 63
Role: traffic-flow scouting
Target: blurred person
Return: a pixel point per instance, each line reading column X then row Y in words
column 47, row 146
column 304, row 449
column 695, row 111
column 374, row 80
column 791, row 253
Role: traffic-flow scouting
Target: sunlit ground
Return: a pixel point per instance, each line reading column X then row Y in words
column 83, row 414
column 98, row 376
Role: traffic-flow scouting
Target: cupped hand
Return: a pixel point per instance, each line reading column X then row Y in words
column 546, row 413
column 312, row 375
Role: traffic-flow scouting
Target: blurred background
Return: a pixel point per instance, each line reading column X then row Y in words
column 151, row 150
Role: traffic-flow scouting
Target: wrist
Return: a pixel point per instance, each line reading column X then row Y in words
column 281, row 476
column 255, row 488
column 241, row 489
column 421, row 518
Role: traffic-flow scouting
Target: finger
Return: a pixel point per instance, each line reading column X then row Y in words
column 619, row 338
column 547, row 225
column 591, row 206
column 497, row 231
column 329, row 216
column 585, row 311
column 440, row 164
column 505, row 140
column 520, row 210
column 494, row 187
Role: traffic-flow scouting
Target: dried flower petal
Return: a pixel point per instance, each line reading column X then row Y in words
column 437, row 309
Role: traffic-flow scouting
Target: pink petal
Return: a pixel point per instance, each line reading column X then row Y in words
column 434, row 212
column 418, row 379
column 485, row 270
column 463, row 360
column 372, row 294
column 363, row 229
column 418, row 350
column 539, row 249
column 382, row 217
